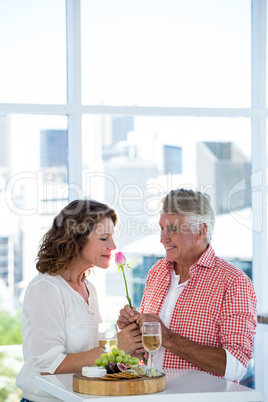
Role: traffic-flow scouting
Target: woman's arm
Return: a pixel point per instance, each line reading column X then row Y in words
column 74, row 362
column 45, row 328
column 129, row 340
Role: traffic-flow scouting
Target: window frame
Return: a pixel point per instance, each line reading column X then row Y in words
column 257, row 113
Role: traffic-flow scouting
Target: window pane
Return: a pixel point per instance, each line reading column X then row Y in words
column 166, row 53
column 33, row 51
column 33, row 188
column 125, row 165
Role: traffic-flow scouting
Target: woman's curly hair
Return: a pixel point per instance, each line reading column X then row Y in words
column 69, row 233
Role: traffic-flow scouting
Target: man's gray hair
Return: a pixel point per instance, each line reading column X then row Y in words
column 194, row 204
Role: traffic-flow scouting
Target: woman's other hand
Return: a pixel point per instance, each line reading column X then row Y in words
column 129, row 339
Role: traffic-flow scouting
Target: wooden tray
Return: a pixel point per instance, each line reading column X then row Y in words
column 136, row 386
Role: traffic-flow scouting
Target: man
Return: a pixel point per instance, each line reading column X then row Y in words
column 206, row 306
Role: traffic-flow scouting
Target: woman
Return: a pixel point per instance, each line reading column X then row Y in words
column 60, row 309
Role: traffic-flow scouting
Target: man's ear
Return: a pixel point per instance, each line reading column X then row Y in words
column 203, row 229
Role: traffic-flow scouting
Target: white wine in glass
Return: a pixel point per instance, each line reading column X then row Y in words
column 107, row 336
column 151, row 339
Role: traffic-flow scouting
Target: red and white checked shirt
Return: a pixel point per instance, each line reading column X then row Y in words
column 217, row 306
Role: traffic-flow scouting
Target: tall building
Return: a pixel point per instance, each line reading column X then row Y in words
column 116, row 144
column 4, row 261
column 4, row 142
column 121, row 125
column 224, row 171
column 54, row 148
column 54, row 164
column 172, row 159
column 10, row 251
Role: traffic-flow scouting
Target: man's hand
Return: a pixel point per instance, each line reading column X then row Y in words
column 208, row 358
column 141, row 318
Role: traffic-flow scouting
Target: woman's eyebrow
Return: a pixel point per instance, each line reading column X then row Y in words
column 105, row 233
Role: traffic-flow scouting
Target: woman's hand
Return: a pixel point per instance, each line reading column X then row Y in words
column 124, row 316
column 129, row 339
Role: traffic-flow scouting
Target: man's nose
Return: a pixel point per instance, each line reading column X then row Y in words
column 163, row 237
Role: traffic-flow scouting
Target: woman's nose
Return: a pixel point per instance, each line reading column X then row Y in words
column 112, row 245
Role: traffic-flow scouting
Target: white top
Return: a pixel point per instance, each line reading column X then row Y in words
column 56, row 321
column 234, row 371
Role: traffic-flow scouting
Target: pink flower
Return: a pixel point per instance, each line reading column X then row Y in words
column 121, row 262
column 120, row 259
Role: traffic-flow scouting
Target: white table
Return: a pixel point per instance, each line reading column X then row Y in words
column 188, row 385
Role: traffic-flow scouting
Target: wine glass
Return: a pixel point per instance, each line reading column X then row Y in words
column 151, row 339
column 107, row 335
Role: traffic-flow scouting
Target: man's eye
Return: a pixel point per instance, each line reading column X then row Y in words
column 172, row 230
column 104, row 239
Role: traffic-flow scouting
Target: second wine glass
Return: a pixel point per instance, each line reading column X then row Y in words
column 151, row 339
column 107, row 336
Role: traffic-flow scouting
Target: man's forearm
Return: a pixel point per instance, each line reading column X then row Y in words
column 208, row 358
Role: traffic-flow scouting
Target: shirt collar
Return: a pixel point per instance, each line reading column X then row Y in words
column 170, row 265
column 207, row 259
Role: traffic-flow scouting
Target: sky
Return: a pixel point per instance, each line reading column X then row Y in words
column 142, row 52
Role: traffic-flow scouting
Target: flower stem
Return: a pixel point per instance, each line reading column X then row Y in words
column 130, row 305
column 127, row 295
